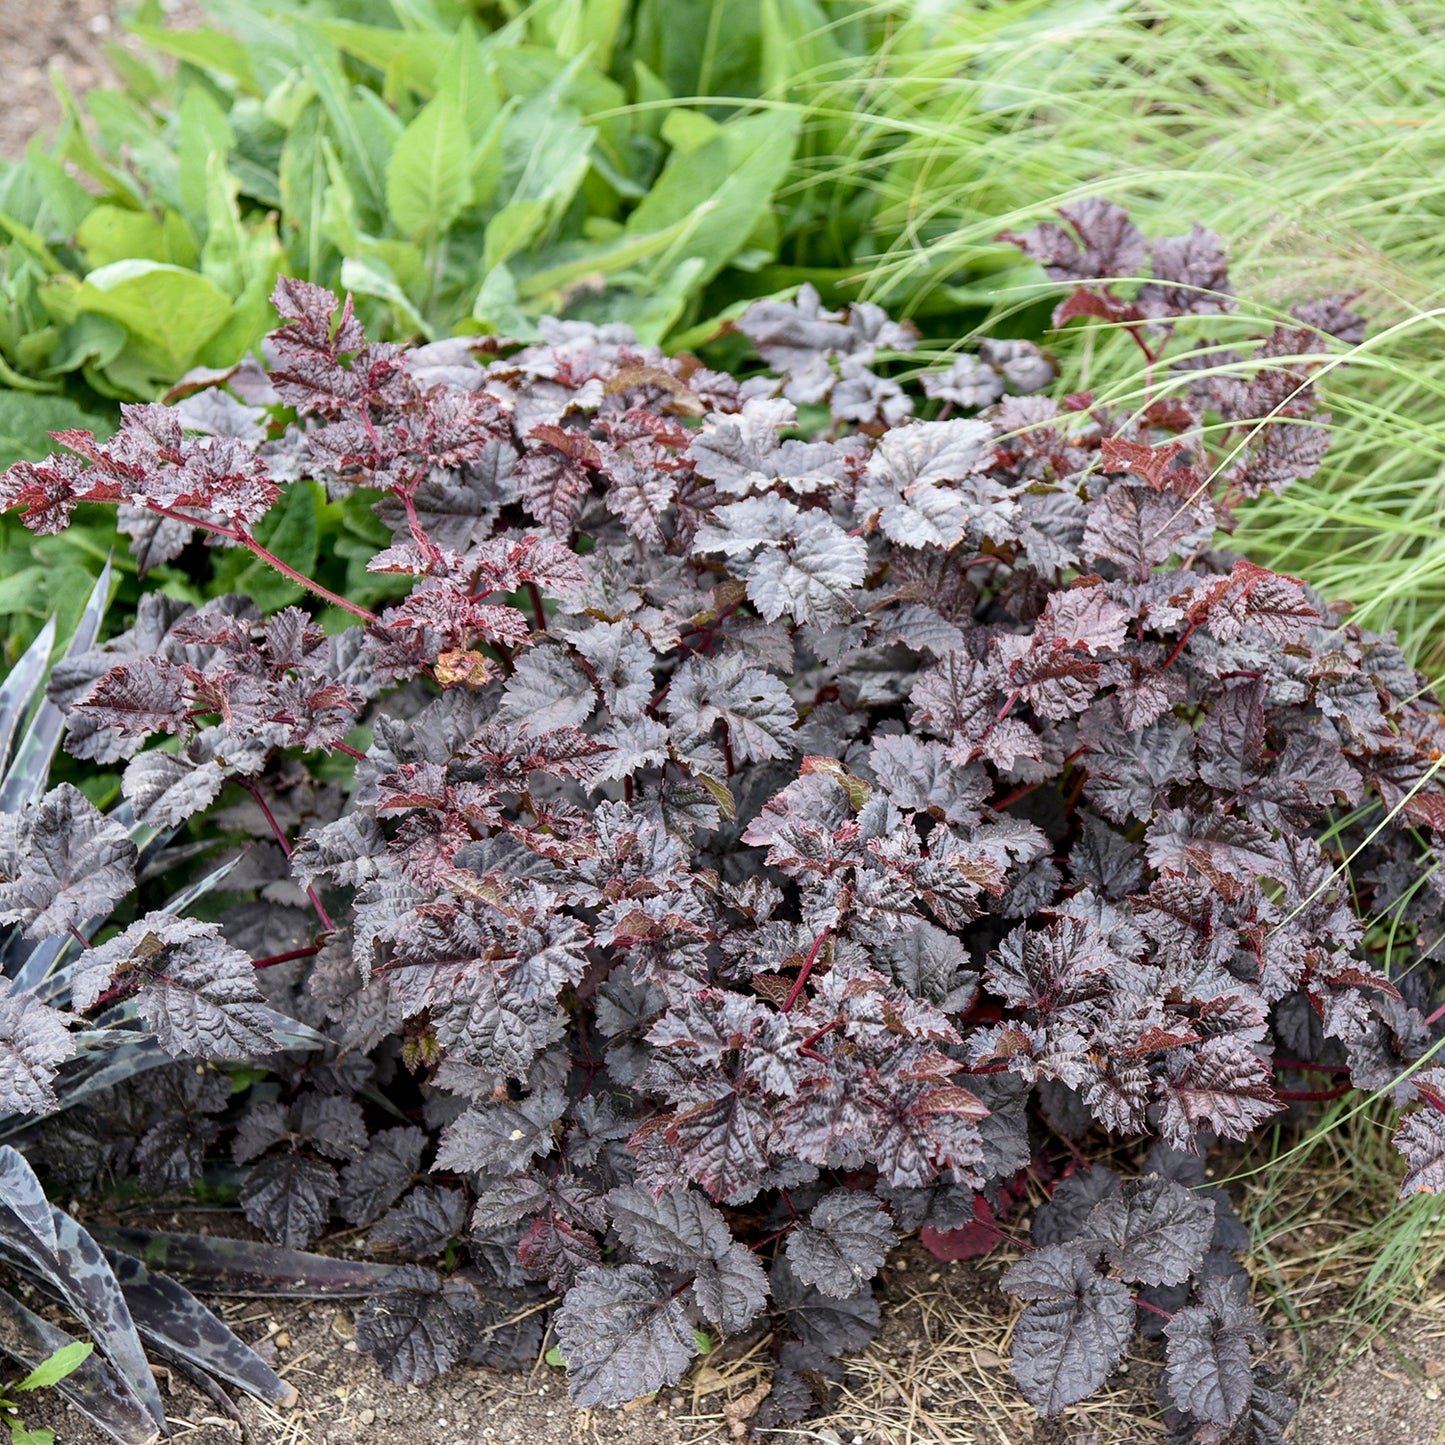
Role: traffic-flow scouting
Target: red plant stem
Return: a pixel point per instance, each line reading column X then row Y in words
column 295, row 953
column 539, row 612
column 1013, row 797
column 1312, row 1096
column 796, row 992
column 765, row 1242
column 349, row 751
column 1154, row 1309
column 1179, row 647
column 235, row 534
column 418, row 532
column 821, row 1033
column 1003, row 712
column 1436, row 1016
column 276, row 828
column 78, row 936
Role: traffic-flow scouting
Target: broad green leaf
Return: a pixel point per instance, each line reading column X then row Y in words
column 383, row 47
column 335, row 94
column 74, row 144
column 373, row 277
column 571, row 27
column 252, row 315
column 207, row 49
column 487, row 158
column 286, row 101
column 21, row 1434
column 63, row 1362
column 545, row 154
column 121, row 122
column 466, row 76
column 24, row 591
column 699, row 47
column 170, row 313
column 518, row 225
column 223, row 255
column 496, row 310
column 66, row 200
column 653, row 307
column 566, row 265
column 141, row 79
column 303, row 192
column 380, row 128
column 32, row 242
column 26, row 422
column 429, row 182
column 796, row 41
column 727, row 183
column 685, row 129
column 115, row 233
column 89, row 340
column 204, row 133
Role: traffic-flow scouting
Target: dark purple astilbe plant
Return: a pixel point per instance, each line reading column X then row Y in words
column 774, row 817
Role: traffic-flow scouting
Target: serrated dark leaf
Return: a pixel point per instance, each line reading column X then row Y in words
column 419, row 1326
column 424, row 1223
column 832, row 1325
column 1156, row 1232
column 288, row 1198
column 61, row 861
column 373, row 1183
column 622, row 1335
column 1071, row 1339
column 1208, row 1370
column 844, row 1244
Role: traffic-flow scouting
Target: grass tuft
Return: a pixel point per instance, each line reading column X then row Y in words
column 1317, row 151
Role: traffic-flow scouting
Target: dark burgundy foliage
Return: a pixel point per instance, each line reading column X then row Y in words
column 752, row 821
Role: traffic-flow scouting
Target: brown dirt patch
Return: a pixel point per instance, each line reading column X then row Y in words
column 71, row 36
column 36, row 35
column 937, row 1375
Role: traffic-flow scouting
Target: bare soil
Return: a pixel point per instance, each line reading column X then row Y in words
column 937, row 1373
column 36, row 35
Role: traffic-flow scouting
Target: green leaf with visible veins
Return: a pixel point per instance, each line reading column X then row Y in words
column 429, row 177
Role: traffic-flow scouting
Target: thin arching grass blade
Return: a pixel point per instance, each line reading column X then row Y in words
column 18, row 690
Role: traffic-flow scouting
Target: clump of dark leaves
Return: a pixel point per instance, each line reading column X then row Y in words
column 776, row 815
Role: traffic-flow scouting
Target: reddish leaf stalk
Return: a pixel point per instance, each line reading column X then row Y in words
column 1179, row 647
column 244, row 539
column 295, row 953
column 796, row 992
column 1313, row 1096
column 280, row 833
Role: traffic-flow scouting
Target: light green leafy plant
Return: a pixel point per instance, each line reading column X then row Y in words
column 457, row 170
column 51, row 1371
